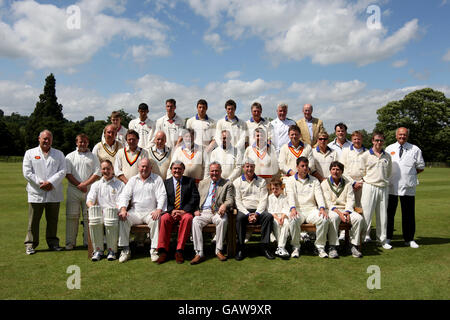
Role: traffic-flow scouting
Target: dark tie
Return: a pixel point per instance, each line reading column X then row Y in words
column 401, row 151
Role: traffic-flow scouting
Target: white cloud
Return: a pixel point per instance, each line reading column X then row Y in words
column 39, row 32
column 233, row 74
column 446, row 56
column 215, row 41
column 399, row 63
column 328, row 32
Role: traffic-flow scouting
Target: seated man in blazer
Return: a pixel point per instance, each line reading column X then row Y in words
column 216, row 197
column 182, row 201
column 309, row 126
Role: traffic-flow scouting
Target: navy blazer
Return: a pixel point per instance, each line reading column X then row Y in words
column 190, row 197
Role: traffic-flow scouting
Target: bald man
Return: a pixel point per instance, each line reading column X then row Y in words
column 44, row 168
column 407, row 163
column 310, row 126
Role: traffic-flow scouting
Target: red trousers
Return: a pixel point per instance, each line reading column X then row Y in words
column 165, row 229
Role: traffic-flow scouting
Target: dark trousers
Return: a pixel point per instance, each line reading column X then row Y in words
column 35, row 211
column 264, row 219
column 408, row 216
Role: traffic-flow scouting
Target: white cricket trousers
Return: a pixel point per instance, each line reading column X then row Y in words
column 375, row 199
column 357, row 230
column 75, row 203
column 205, row 217
column 134, row 218
column 281, row 232
column 309, row 216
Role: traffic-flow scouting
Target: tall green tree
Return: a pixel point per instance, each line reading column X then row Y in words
column 6, row 137
column 47, row 115
column 16, row 125
column 426, row 113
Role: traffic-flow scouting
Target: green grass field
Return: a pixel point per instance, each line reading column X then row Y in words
column 406, row 273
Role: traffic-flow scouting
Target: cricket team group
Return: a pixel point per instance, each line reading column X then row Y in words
column 186, row 174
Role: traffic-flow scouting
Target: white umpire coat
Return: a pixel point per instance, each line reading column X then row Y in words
column 37, row 169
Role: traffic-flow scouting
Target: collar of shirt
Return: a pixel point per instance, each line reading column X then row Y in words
column 255, row 177
column 262, row 120
column 406, row 145
column 301, row 144
column 359, row 150
column 198, row 118
column 87, row 150
column 265, row 147
column 347, row 142
column 302, row 180
column 235, row 119
column 326, row 151
column 107, row 181
column 183, row 147
column 166, row 118
column 373, row 153
column 175, row 181
column 332, row 181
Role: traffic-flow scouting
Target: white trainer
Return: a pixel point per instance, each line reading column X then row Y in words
column 125, row 255
column 333, row 254
column 97, row 256
column 322, row 253
column 69, row 246
column 412, row 244
column 30, row 250
column 356, row 253
column 295, row 253
column 367, row 239
column 342, row 235
column 154, row 255
column 386, row 246
column 283, row 253
column 111, row 256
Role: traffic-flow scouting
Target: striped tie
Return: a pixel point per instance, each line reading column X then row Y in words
column 178, row 196
column 213, row 197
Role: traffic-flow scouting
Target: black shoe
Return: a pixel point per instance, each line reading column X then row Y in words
column 55, row 248
column 269, row 255
column 239, row 255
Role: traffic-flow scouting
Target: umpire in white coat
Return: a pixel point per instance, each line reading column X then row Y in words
column 44, row 168
column 407, row 163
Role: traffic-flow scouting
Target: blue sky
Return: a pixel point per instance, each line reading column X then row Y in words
column 297, row 52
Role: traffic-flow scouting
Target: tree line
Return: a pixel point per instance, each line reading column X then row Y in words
column 425, row 112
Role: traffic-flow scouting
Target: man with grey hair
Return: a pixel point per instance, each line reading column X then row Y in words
column 309, row 126
column 147, row 198
column 182, row 201
column 44, row 168
column 407, row 163
column 251, row 201
column 281, row 127
column 216, row 198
